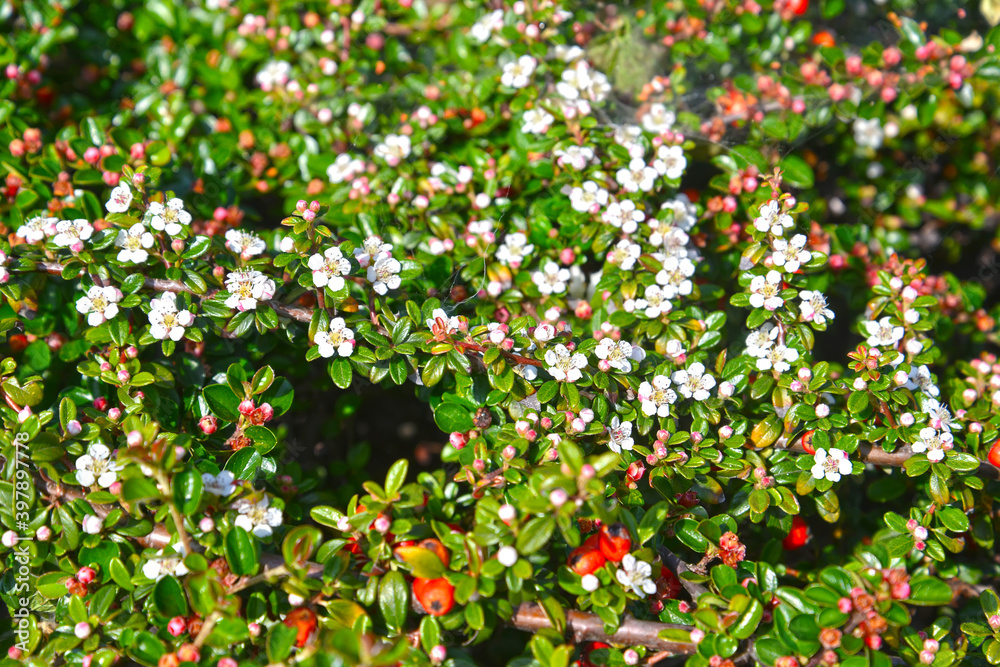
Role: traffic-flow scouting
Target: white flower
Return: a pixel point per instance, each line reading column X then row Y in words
column 674, row 277
column 165, row 321
column 920, row 377
column 37, row 228
column 638, row 176
column 790, row 255
column 133, row 243
column 246, row 287
column 384, row 275
column 654, row 303
column 72, row 233
column 536, row 121
column 624, row 254
column 831, row 464
column 575, row 156
column 685, row 212
column 517, row 74
column 934, row 443
column 163, row 564
column 621, row 436
column 4, row 273
column 370, row 250
column 257, row 517
column 483, row 29
column 623, row 215
column 636, row 575
column 514, row 249
column 339, row 339
column 616, row 353
column 96, row 466
column 868, row 132
column 588, row 198
column 344, row 168
column 507, row 556
column 778, row 357
column 394, row 149
column 452, row 324
column 883, row 333
column 564, row 365
column 329, row 268
column 171, row 218
column 221, row 485
column 656, row 397
column 273, row 73
column 771, row 220
column 814, row 308
column 694, row 382
column 580, row 82
column 670, row 161
column 590, row 583
column 244, row 243
column 100, row 304
column 120, row 200
column 766, row 291
column 551, row 279
column 761, row 340
column 939, row 415
column 91, row 524
column 658, row 119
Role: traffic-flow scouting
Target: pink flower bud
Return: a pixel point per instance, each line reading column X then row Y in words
column 931, row 645
column 822, row 410
column 479, row 465
column 558, row 497
column 663, row 435
column 227, row 662
column 82, row 630
column 509, row 452
column 267, row 412
column 578, row 425
column 115, row 488
column 105, row 366
column 906, row 419
column 697, row 635
column 726, row 389
column 438, row 654
column 9, row 538
column 23, row 415
column 631, row 657
column 208, row 424
column 206, row 525
column 805, row 374
column 246, row 407
column 507, row 513
column 86, row 575
column 926, row 657
column 845, row 605
column 457, row 439
column 994, row 621
column 587, row 415
column 73, row 427
column 697, row 437
column 254, row 629
column 382, row 524
column 177, row 626
column 114, row 414
column 43, row 534
column 14, row 653
column 134, row 438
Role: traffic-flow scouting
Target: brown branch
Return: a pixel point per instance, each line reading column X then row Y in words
column 680, row 567
column 582, row 626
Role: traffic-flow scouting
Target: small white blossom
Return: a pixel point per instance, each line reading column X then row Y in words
column 685, row 212
column 384, row 274
column 120, row 200
column 761, row 340
column 517, row 74
column 670, row 161
column 621, row 436
column 96, row 466
column 4, row 272
column 72, row 233
column 100, row 304
column 165, row 321
column 246, row 287
column 814, row 308
column 257, row 517
column 694, row 382
column 337, row 339
column 868, row 132
column 637, row 576
column 536, row 121
column 564, row 365
column 329, row 269
column 514, row 250
column 831, row 465
column 484, row 28
column 507, row 555
column 779, row 358
column 623, row 215
column 934, row 443
column 273, row 73
column 920, row 378
column 133, row 243
column 37, row 228
column 658, row 119
column 766, row 291
column 770, row 219
column 394, row 149
column 790, row 255
column 370, row 250
column 221, row 485
column 624, row 254
column 244, row 243
column 577, row 157
column 588, row 198
column 590, row 583
column 883, row 333
column 165, row 563
column 656, row 397
column 344, row 168
column 939, row 416
column 653, row 304
column 638, row 176
column 616, row 353
column 171, row 218
column 551, row 279
column 675, row 277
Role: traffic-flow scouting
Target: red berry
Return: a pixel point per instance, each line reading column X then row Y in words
column 304, row 621
column 798, row 7
column 798, row 536
column 615, row 542
column 436, row 596
column 587, row 558
column 807, row 442
column 994, row 455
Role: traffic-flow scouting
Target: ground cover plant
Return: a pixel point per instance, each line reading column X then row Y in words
column 411, row 332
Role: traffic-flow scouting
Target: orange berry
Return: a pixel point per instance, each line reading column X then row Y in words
column 436, row 596
column 994, row 455
column 807, row 441
column 304, row 621
column 615, row 541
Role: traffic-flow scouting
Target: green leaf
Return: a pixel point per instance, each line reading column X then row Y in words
column 222, row 401
column 187, row 491
column 535, row 534
column 341, row 372
column 280, row 640
column 169, row 599
column 139, row 488
column 395, row 477
column 245, row 463
column 929, row 591
column 451, row 417
column 299, row 545
column 394, row 599
column 797, row 172
column 241, row 552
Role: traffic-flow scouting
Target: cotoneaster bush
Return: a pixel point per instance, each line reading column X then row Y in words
column 698, row 296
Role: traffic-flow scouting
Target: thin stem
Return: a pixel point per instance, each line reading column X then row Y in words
column 279, row 571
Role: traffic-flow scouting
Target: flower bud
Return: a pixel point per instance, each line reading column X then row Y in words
column 590, row 583
column 845, row 605
column 382, row 524
column 86, row 575
column 697, row 635
column 631, row 657
column 9, row 538
column 822, row 410
column 23, row 415
column 457, row 439
column 254, row 629
column 900, row 378
column 994, row 622
column 82, row 630
column 578, row 425
column 507, row 513
column 131, row 352
column 438, row 654
column 177, row 626
column 796, row 386
column 508, row 452
column 14, row 653
column 697, row 437
column 906, row 419
column 507, row 556
column 267, row 411
column 587, row 472
column 227, row 662
column 725, row 432
column 43, row 534
column 100, row 402
column 206, row 525
column 860, row 384
column 587, row 415
column 246, row 407
column 926, row 657
column 931, row 645
column 92, row 525
column 805, row 374
column 188, row 653
column 726, row 389
column 558, row 497
column 208, row 424
column 134, row 438
column 114, row 414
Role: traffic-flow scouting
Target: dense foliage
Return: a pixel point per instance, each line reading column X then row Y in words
column 698, row 299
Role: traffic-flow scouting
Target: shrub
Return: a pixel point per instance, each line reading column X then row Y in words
column 689, row 307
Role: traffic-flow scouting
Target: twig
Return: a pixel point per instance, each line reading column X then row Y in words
column 206, row 628
column 680, row 567
column 247, row 582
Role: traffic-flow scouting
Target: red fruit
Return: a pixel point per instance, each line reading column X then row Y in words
column 436, row 596
column 807, row 442
column 994, row 455
column 587, row 558
column 798, row 536
column 824, row 38
column 615, row 542
column 798, row 7
column 304, row 621
column 585, row 653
